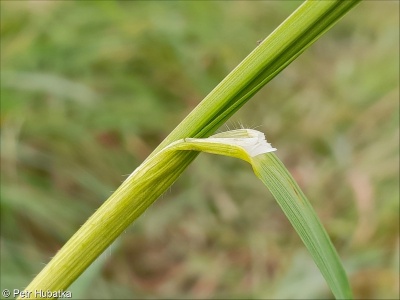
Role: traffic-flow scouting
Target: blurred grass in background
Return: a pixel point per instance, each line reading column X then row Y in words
column 89, row 89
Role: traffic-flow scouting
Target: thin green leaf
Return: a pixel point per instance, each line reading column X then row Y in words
column 302, row 216
column 268, row 167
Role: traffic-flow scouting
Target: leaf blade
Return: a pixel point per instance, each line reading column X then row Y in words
column 305, row 221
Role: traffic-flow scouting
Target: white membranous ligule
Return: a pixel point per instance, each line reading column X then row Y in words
column 251, row 141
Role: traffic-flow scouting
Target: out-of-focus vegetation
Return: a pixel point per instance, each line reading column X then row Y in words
column 88, row 89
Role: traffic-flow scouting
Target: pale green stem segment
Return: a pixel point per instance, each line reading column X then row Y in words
column 128, row 202
column 298, row 32
column 155, row 174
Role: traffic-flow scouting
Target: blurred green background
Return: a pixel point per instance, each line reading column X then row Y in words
column 89, row 89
